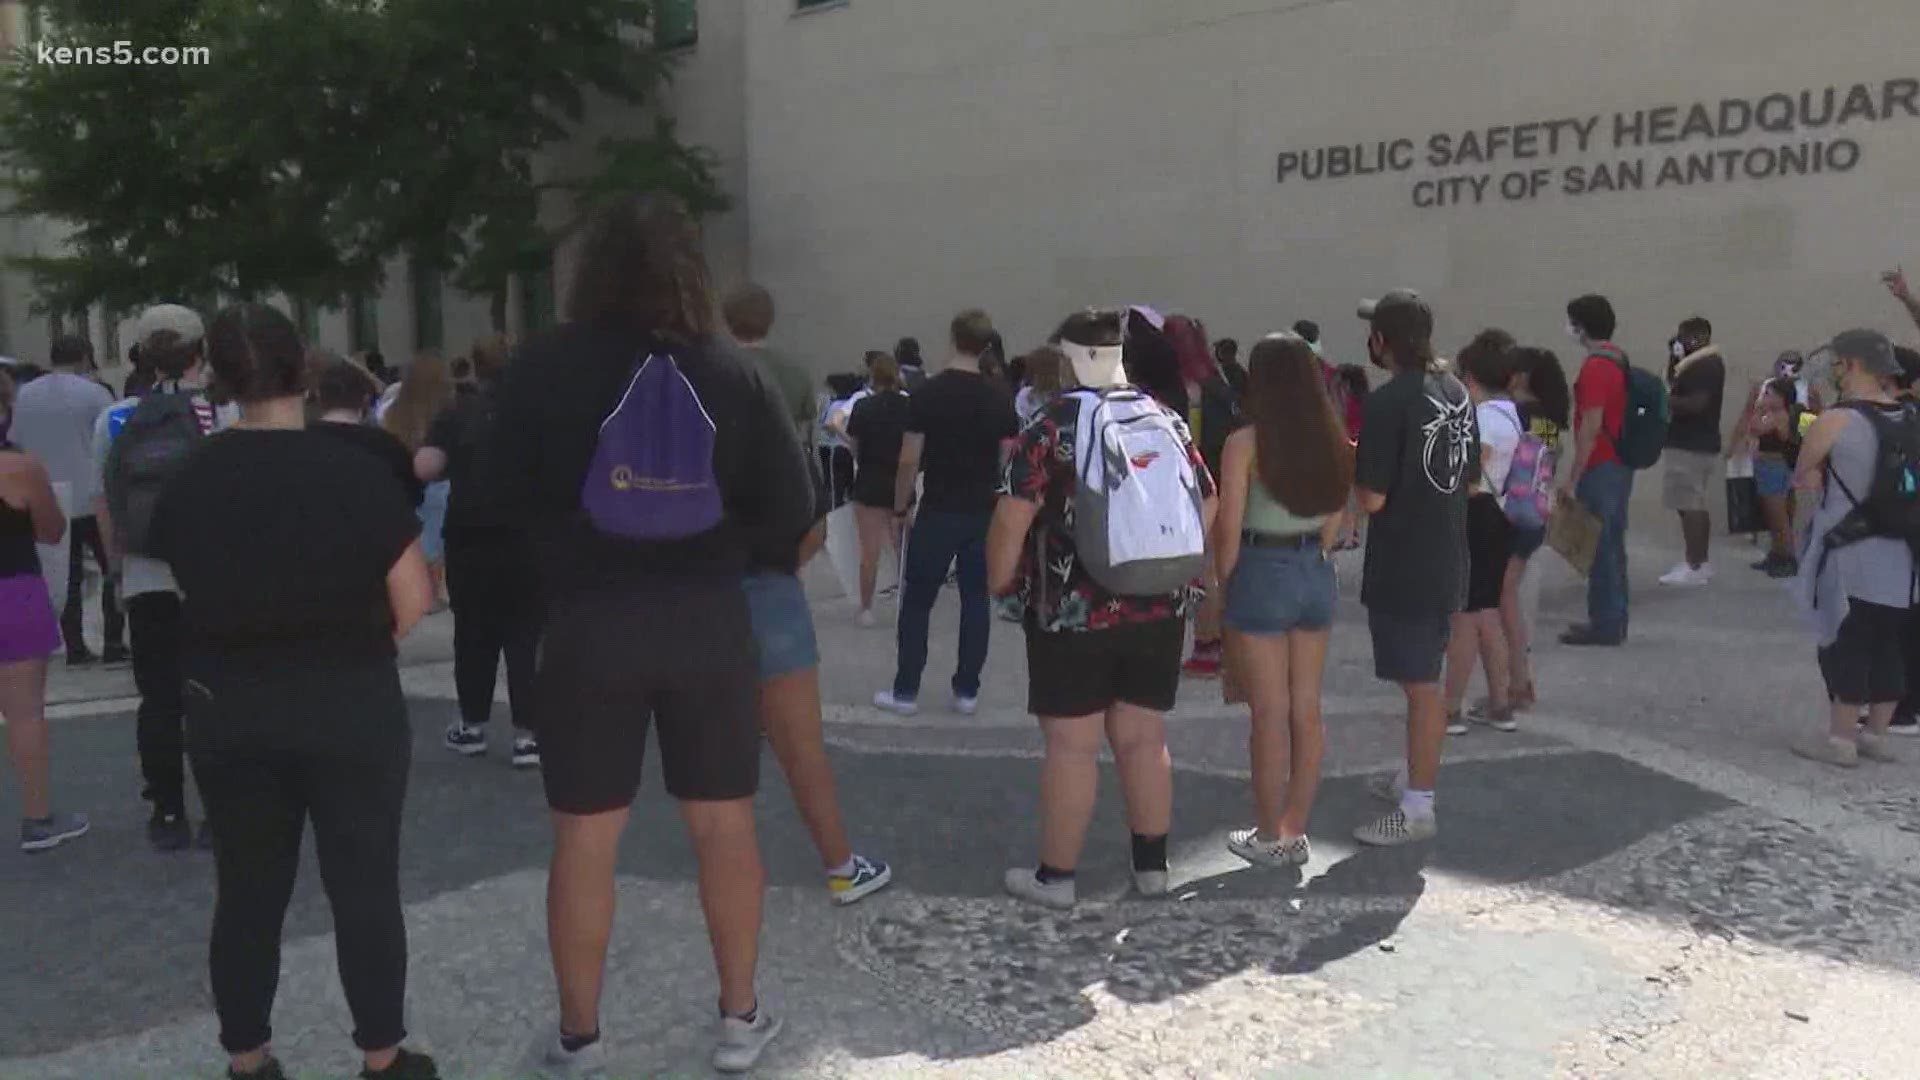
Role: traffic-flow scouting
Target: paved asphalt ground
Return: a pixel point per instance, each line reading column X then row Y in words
column 1642, row 883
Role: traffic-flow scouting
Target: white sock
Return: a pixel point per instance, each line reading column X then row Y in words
column 845, row 869
column 1417, row 804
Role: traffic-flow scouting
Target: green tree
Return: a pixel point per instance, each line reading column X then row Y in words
column 324, row 137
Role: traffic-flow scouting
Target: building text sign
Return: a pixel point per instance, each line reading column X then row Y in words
column 1785, row 134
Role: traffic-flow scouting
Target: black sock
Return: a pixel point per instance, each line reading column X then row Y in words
column 1047, row 875
column 573, row 1044
column 1149, row 852
column 749, row 1016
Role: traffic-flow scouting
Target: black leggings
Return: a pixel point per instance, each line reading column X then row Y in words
column 269, row 753
column 496, row 612
column 83, row 538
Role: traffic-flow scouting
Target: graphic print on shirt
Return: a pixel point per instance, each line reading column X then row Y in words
column 1450, row 443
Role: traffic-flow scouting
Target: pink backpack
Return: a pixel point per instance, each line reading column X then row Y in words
column 1529, row 490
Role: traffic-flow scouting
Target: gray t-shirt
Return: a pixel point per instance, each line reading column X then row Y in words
column 1877, row 570
column 53, row 419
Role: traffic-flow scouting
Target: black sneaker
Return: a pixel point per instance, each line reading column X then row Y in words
column 1785, row 568
column 407, row 1065
column 116, row 655
column 526, row 750
column 269, row 1071
column 1904, row 724
column 169, row 832
column 81, row 658
column 1588, row 637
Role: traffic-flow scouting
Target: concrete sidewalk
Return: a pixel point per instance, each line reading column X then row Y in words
column 1642, row 883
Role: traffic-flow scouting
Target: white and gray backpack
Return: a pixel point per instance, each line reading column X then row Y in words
column 1137, row 519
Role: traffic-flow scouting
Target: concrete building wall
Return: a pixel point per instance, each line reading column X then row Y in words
column 909, row 158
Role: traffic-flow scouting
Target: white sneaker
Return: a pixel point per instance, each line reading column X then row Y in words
column 555, row 1060
column 1687, row 577
column 1024, row 882
column 1395, row 828
column 885, row 701
column 1247, row 844
column 465, row 741
column 742, row 1043
column 1457, row 724
column 867, row 620
column 1150, row 882
column 1828, row 750
column 966, row 706
column 526, row 750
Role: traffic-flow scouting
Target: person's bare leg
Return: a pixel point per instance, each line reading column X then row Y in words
column 1307, row 665
column 1494, row 657
column 1513, row 624
column 23, row 704
column 1426, row 732
column 1261, row 664
column 790, row 709
column 1697, row 529
column 733, row 885
column 1069, row 783
column 580, row 901
column 1843, row 722
column 1779, row 525
column 1880, row 717
column 1139, row 740
column 1463, row 650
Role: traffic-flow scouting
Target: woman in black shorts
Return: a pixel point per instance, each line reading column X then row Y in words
column 654, row 631
column 1478, row 636
column 877, row 428
column 300, row 566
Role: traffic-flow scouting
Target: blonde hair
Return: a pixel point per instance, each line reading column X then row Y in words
column 426, row 389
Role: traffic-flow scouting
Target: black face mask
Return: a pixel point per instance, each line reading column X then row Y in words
column 1378, row 359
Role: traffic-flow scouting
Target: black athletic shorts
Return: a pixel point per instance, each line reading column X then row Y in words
column 678, row 656
column 1867, row 663
column 1489, row 547
column 1409, row 649
column 1079, row 673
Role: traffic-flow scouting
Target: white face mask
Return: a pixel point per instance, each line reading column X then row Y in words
column 1574, row 333
column 1679, row 350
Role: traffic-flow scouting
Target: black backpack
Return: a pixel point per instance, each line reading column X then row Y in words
column 1891, row 507
column 154, row 443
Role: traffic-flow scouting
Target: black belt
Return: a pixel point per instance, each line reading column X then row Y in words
column 1291, row 541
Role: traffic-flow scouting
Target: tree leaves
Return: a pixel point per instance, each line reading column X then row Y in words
column 326, row 137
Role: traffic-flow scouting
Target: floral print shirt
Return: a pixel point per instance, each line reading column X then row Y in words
column 1054, row 592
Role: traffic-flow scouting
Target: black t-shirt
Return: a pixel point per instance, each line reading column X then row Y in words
column 559, row 389
column 1698, row 432
column 964, row 417
column 281, row 545
column 878, row 426
column 1417, row 445
column 386, row 447
column 458, row 432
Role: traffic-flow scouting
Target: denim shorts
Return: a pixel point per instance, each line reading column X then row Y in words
column 1528, row 542
column 1772, row 477
column 1276, row 590
column 782, row 624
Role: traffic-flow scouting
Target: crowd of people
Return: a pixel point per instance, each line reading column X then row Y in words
column 619, row 511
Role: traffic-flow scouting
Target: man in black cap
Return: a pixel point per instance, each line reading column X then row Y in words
column 1416, row 443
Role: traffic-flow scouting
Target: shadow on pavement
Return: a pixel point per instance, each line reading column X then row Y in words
column 107, row 938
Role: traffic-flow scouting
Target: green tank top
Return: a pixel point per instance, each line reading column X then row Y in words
column 1266, row 516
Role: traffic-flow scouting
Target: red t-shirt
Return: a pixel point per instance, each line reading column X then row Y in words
column 1602, row 385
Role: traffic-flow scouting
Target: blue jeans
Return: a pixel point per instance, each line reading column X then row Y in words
column 939, row 540
column 1606, row 490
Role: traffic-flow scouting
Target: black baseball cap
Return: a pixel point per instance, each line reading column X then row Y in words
column 1400, row 313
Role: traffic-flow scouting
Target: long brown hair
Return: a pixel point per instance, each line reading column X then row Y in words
column 641, row 263
column 1303, row 459
column 426, row 389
